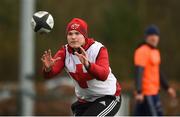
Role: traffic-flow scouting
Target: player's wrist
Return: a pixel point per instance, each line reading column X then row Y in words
column 139, row 92
column 87, row 65
column 47, row 69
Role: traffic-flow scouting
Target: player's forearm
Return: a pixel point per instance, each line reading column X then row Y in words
column 163, row 81
column 52, row 71
column 100, row 69
column 48, row 74
column 99, row 72
column 138, row 78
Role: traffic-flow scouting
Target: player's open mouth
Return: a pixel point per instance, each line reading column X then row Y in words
column 74, row 42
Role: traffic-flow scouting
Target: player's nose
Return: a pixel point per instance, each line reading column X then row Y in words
column 73, row 36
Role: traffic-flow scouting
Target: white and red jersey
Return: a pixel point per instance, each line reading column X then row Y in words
column 92, row 83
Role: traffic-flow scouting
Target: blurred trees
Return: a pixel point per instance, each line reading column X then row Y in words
column 118, row 24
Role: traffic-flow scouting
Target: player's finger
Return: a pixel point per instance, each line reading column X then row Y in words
column 45, row 57
column 83, row 51
column 45, row 52
column 77, row 54
column 84, row 57
column 48, row 55
column 81, row 57
column 42, row 59
column 49, row 52
column 56, row 59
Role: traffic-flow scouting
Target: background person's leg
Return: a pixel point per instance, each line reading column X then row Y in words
column 151, row 103
column 140, row 109
column 158, row 105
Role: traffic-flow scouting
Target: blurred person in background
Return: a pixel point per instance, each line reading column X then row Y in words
column 149, row 76
column 87, row 62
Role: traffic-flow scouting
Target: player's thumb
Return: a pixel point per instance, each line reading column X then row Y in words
column 56, row 59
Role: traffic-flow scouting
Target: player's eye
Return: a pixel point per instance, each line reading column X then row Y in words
column 70, row 33
column 76, row 33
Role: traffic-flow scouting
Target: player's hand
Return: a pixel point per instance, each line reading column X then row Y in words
column 139, row 97
column 172, row 92
column 48, row 61
column 83, row 57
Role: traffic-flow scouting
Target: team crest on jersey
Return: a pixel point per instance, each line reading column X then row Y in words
column 75, row 26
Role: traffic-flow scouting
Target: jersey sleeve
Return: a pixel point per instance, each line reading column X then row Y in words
column 138, row 78
column 58, row 66
column 100, row 69
column 163, row 80
column 141, row 57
